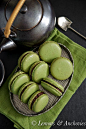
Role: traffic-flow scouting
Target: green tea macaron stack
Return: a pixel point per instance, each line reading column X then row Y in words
column 38, row 71
column 52, row 86
column 17, row 80
column 26, row 90
column 38, row 101
column 27, row 59
column 61, row 68
column 24, row 85
column 49, row 50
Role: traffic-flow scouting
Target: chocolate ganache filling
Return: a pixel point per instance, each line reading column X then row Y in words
column 39, row 94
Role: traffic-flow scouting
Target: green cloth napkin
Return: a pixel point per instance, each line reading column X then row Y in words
column 25, row 122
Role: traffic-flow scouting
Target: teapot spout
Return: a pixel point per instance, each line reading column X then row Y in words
column 7, row 44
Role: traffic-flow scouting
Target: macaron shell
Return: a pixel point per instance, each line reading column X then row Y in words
column 13, row 77
column 20, row 58
column 28, row 92
column 61, row 68
column 31, row 98
column 40, row 71
column 53, row 82
column 51, row 89
column 23, row 86
column 18, row 82
column 32, row 67
column 28, row 60
column 40, row 103
column 49, row 50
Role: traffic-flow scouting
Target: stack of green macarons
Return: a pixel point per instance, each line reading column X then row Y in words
column 24, row 83
column 34, row 70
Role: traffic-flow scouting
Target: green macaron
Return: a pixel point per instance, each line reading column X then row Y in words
column 27, row 59
column 38, row 101
column 61, row 68
column 27, row 90
column 17, row 80
column 39, row 70
column 49, row 50
column 52, row 86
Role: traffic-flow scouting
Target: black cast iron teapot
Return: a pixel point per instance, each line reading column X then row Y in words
column 26, row 22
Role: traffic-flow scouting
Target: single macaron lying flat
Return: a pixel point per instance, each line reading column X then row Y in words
column 38, row 101
column 27, row 59
column 27, row 90
column 61, row 68
column 17, row 80
column 49, row 50
column 39, row 70
column 52, row 86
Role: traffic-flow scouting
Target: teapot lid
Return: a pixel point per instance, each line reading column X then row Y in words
column 28, row 17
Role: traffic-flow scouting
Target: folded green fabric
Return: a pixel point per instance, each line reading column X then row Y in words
column 25, row 122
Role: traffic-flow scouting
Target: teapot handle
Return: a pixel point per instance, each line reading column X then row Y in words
column 12, row 18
